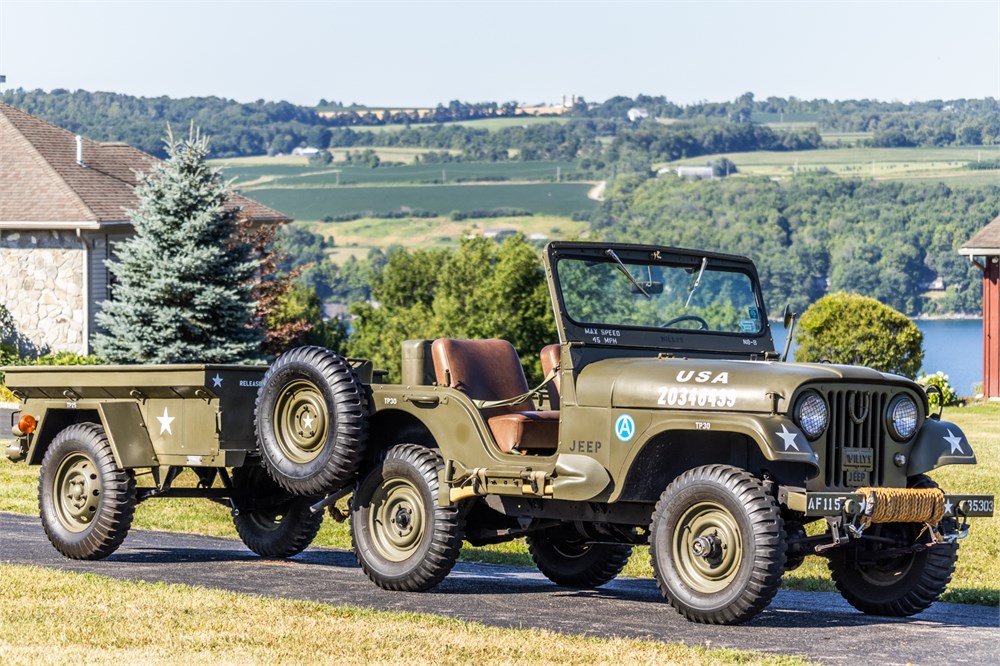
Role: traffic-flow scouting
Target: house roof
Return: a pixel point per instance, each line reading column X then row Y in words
column 41, row 182
column 984, row 243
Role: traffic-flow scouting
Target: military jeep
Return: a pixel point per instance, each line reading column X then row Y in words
column 666, row 418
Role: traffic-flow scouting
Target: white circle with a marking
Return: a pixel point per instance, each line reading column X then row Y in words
column 625, row 427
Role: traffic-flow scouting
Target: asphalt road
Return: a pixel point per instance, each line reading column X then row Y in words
column 818, row 625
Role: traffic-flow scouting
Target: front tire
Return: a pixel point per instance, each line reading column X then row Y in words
column 402, row 538
column 571, row 562
column 898, row 586
column 85, row 500
column 270, row 521
column 717, row 543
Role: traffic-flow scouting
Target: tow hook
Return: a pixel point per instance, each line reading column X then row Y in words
column 16, row 451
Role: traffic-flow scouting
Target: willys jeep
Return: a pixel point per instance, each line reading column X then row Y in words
column 666, row 418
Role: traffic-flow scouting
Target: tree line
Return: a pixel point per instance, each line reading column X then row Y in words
column 818, row 234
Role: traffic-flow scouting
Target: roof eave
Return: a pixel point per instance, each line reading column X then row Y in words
column 979, row 251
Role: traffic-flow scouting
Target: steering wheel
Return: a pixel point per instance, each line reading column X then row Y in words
column 702, row 324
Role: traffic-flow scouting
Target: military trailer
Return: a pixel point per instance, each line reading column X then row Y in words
column 666, row 418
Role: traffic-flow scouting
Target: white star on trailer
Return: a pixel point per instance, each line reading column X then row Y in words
column 307, row 421
column 216, row 381
column 165, row 422
column 956, row 442
column 788, row 437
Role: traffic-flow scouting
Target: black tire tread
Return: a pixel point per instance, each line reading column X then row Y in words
column 299, row 525
column 446, row 537
column 112, row 523
column 939, row 566
column 768, row 530
column 347, row 452
column 606, row 561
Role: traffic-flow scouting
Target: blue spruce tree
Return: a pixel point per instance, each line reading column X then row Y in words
column 184, row 281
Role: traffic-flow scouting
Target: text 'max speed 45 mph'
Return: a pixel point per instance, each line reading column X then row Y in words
column 666, row 418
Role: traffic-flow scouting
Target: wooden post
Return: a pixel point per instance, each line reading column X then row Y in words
column 991, row 328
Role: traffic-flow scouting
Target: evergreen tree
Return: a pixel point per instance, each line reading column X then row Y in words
column 185, row 280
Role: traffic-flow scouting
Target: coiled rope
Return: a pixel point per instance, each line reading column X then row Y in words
column 903, row 505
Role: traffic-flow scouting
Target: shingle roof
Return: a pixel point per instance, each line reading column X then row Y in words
column 40, row 180
column 988, row 238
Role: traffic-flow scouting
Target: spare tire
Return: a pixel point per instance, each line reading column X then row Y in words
column 312, row 421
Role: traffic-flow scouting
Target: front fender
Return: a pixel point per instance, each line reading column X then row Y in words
column 939, row 443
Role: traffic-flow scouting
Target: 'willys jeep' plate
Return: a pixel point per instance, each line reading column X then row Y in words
column 857, row 465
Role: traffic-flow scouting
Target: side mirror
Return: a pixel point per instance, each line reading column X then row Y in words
column 788, row 316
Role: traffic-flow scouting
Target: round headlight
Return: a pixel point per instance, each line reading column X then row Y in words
column 902, row 418
column 812, row 414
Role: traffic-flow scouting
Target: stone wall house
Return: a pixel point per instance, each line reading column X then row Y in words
column 63, row 203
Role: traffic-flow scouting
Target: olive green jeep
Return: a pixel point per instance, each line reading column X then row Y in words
column 666, row 418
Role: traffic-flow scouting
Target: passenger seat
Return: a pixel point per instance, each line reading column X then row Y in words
column 491, row 370
column 550, row 359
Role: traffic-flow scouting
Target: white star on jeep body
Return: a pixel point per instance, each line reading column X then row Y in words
column 165, row 422
column 948, row 508
column 216, row 381
column 956, row 442
column 788, row 437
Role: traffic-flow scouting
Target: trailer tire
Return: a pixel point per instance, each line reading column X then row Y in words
column 270, row 521
column 312, row 421
column 85, row 500
column 573, row 563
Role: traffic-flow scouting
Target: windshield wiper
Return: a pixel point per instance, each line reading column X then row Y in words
column 623, row 269
column 697, row 281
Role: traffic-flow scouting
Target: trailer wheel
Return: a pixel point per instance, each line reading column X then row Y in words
column 897, row 586
column 404, row 540
column 312, row 421
column 85, row 500
column 270, row 521
column 573, row 563
column 718, row 545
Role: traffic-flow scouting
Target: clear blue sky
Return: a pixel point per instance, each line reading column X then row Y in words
column 421, row 53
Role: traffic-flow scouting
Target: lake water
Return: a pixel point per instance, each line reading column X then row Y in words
column 953, row 346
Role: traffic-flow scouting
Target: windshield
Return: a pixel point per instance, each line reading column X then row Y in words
column 692, row 297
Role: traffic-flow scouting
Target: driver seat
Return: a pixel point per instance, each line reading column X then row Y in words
column 491, row 370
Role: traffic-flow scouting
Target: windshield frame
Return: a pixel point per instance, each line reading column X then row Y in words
column 605, row 334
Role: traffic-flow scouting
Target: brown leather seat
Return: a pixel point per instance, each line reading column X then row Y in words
column 491, row 370
column 550, row 359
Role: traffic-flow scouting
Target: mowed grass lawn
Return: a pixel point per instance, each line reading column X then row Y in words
column 54, row 617
column 976, row 580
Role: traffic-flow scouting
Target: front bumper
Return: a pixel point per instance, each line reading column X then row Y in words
column 852, row 505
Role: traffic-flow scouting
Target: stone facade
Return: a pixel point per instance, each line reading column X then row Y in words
column 43, row 278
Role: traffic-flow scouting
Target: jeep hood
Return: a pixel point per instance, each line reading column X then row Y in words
column 700, row 384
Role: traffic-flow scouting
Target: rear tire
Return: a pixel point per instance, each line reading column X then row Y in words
column 574, row 563
column 717, row 542
column 404, row 540
column 900, row 586
column 85, row 500
column 272, row 522
column 311, row 421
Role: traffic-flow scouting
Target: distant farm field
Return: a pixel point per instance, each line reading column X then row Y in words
column 315, row 203
column 926, row 164
column 491, row 124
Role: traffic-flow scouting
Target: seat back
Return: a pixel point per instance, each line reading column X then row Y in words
column 550, row 359
column 483, row 370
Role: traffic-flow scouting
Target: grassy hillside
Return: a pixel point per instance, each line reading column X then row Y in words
column 923, row 164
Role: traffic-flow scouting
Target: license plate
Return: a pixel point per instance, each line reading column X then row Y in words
column 858, row 458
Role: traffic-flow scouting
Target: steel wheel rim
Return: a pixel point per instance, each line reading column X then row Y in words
column 570, row 550
column 707, row 547
column 77, row 492
column 301, row 420
column 396, row 519
column 888, row 572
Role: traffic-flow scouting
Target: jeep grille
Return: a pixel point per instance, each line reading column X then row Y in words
column 856, row 422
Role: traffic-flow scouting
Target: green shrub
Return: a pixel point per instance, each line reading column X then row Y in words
column 852, row 329
column 66, row 358
column 940, row 380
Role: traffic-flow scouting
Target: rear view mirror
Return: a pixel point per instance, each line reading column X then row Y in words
column 650, row 287
column 787, row 317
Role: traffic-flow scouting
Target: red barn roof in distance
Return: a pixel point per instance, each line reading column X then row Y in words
column 41, row 184
column 984, row 243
